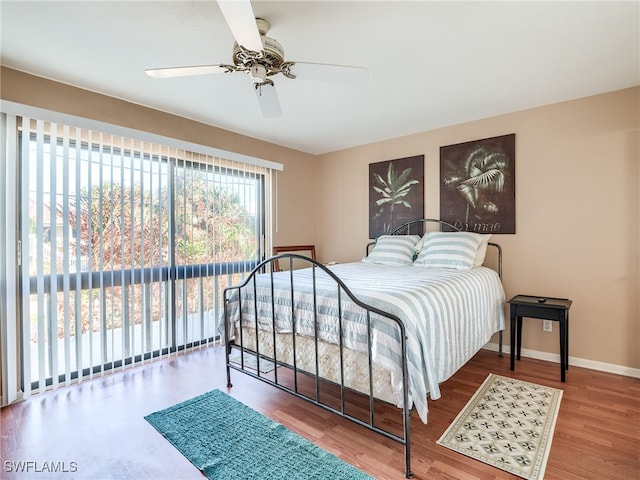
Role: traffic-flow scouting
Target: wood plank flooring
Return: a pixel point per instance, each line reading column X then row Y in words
column 96, row 429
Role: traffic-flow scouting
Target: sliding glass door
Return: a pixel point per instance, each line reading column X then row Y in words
column 126, row 247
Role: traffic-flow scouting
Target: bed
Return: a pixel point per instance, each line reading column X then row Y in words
column 389, row 328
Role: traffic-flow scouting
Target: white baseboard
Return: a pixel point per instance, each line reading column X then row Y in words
column 573, row 361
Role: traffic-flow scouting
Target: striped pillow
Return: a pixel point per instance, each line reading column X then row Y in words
column 449, row 250
column 393, row 250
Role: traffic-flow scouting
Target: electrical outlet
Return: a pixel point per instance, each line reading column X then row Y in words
column 547, row 325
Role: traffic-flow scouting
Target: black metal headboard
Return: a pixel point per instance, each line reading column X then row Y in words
column 418, row 227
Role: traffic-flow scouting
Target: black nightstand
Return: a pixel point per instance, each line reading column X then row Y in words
column 543, row 308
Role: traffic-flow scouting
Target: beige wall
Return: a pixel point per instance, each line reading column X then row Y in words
column 577, row 182
column 577, row 213
column 295, row 198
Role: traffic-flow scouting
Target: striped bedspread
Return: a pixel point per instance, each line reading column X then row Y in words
column 448, row 315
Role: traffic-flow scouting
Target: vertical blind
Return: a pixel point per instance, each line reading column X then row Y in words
column 9, row 331
column 126, row 247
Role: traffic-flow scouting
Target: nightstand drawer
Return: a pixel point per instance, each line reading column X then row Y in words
column 535, row 311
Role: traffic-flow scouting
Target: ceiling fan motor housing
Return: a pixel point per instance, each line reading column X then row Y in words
column 260, row 64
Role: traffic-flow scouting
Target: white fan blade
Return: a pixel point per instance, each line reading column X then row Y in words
column 242, row 22
column 268, row 100
column 329, row 73
column 171, row 72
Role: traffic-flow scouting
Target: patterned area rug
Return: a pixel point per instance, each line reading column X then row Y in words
column 227, row 440
column 508, row 424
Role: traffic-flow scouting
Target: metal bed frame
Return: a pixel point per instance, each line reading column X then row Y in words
column 341, row 290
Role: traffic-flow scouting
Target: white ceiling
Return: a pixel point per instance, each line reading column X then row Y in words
column 431, row 64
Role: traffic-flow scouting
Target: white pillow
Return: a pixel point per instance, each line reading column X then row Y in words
column 450, row 250
column 393, row 250
column 482, row 250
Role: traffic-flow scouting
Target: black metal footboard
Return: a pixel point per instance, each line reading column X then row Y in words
column 286, row 372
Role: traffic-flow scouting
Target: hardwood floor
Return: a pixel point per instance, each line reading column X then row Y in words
column 96, row 429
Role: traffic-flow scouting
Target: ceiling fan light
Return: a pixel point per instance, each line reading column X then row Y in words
column 258, row 73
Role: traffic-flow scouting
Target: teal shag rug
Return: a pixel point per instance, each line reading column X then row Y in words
column 226, row 439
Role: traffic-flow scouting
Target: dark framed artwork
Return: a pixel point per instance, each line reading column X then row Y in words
column 477, row 188
column 396, row 193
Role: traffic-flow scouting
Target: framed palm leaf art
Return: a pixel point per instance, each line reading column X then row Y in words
column 396, row 193
column 477, row 188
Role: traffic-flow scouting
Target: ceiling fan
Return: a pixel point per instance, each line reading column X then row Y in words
column 262, row 57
